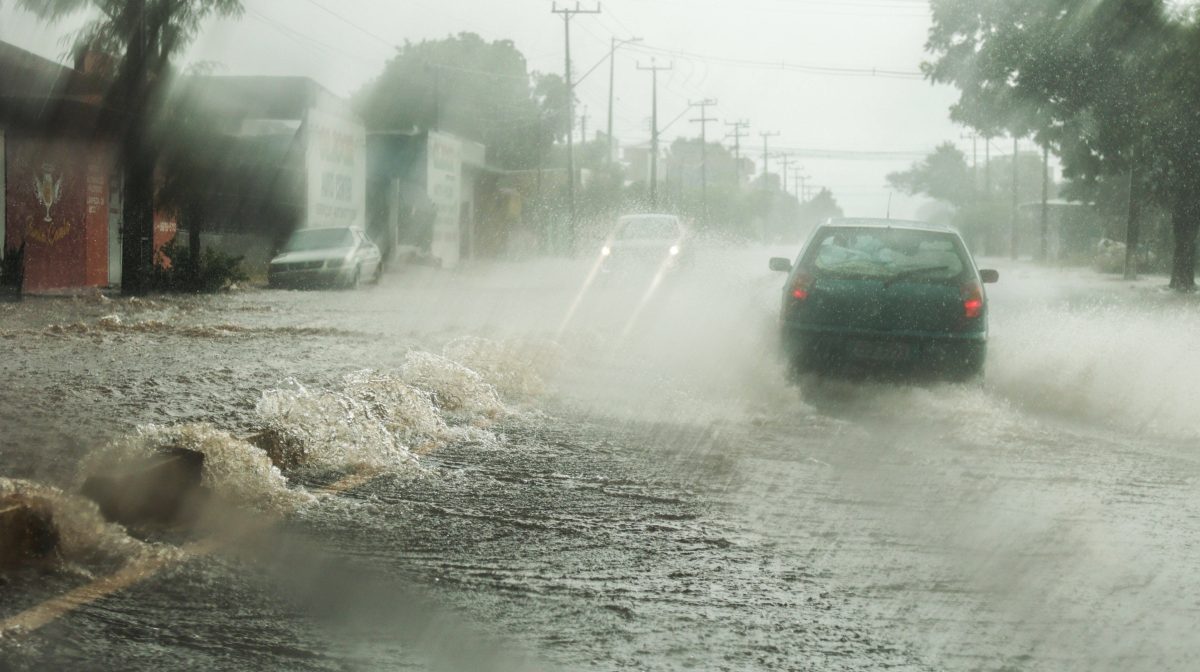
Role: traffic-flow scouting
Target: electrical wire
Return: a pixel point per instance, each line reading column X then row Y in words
column 784, row 65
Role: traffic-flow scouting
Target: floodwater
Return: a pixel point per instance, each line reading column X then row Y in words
column 551, row 478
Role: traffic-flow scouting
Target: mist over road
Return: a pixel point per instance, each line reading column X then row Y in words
column 652, row 495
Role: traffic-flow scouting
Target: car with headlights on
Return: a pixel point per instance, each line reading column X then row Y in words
column 871, row 296
column 648, row 242
column 326, row 257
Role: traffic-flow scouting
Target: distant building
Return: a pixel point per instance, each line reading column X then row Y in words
column 60, row 174
column 291, row 155
column 432, row 194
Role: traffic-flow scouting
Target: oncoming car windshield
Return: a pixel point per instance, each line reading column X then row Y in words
column 648, row 228
column 887, row 254
column 319, row 239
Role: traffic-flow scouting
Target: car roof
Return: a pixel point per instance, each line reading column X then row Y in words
column 879, row 223
column 648, row 215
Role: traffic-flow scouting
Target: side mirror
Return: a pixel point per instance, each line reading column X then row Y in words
column 988, row 276
column 780, row 264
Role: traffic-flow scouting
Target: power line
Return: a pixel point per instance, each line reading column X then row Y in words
column 855, row 154
column 302, row 38
column 352, row 24
column 786, row 66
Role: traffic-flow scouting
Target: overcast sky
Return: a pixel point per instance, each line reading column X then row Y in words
column 720, row 49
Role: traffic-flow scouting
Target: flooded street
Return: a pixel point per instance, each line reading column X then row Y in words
column 605, row 477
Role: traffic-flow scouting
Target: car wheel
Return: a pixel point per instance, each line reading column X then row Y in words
column 356, row 279
column 378, row 276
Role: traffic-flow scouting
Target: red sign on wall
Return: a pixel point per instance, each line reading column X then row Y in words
column 55, row 202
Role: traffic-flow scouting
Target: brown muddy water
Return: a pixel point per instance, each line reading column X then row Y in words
column 557, row 479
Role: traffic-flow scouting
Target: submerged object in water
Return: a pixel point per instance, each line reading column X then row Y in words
column 162, row 490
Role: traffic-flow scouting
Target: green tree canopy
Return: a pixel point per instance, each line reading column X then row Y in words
column 473, row 88
column 1110, row 83
column 943, row 175
column 819, row 208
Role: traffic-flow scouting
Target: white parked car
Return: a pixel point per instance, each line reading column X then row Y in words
column 337, row 257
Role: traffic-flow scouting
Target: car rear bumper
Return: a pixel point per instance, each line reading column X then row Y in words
column 876, row 353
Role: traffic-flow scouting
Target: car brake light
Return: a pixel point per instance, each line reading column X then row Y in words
column 972, row 295
column 800, row 287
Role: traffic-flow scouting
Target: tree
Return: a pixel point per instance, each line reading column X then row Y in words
column 819, row 208
column 475, row 89
column 982, row 216
column 943, row 175
column 1108, row 83
column 143, row 35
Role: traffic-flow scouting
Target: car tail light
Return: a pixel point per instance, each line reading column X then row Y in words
column 972, row 296
column 801, row 286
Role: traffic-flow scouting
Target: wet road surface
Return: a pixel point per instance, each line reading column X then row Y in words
column 652, row 496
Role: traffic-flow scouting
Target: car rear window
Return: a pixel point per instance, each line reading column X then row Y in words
column 648, row 228
column 308, row 240
column 887, row 254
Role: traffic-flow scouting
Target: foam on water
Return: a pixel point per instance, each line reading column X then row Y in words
column 382, row 419
column 234, row 470
column 331, row 429
column 460, row 393
column 516, row 368
column 407, row 412
column 86, row 539
column 115, row 324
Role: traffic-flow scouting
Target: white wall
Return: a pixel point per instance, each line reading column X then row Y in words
column 335, row 145
column 444, row 184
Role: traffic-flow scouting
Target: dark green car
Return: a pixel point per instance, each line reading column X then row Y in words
column 884, row 297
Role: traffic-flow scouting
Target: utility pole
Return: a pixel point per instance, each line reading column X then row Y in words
column 766, row 137
column 737, row 134
column 654, row 69
column 612, row 80
column 987, row 166
column 704, row 120
column 785, row 160
column 1016, row 212
column 974, row 138
column 1044, row 248
column 569, row 13
column 801, row 180
column 583, row 136
column 541, row 131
